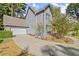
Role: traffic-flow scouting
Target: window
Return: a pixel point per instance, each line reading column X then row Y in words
column 48, row 28
column 47, row 18
column 48, row 23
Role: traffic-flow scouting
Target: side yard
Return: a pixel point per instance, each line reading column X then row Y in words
column 9, row 48
column 7, row 45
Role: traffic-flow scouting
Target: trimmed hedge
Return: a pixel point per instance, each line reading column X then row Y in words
column 5, row 34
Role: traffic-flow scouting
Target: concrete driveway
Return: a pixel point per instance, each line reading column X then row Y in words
column 40, row 47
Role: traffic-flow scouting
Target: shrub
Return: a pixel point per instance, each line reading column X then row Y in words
column 1, row 41
column 5, row 34
column 61, row 25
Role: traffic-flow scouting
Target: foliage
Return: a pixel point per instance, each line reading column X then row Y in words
column 73, row 9
column 1, row 25
column 61, row 25
column 64, row 40
column 75, row 29
column 1, row 41
column 11, row 9
column 5, row 34
column 55, row 11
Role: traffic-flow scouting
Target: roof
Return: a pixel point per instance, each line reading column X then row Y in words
column 43, row 9
column 35, row 11
column 13, row 21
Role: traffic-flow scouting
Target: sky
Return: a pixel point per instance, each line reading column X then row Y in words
column 63, row 6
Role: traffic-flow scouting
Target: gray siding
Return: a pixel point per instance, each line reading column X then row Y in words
column 47, row 20
column 40, row 21
column 48, row 12
column 43, row 20
column 31, row 22
column 40, row 18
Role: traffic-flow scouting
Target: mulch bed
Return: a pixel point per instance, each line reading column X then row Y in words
column 64, row 40
column 9, row 49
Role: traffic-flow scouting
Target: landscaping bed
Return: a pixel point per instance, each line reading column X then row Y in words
column 9, row 48
column 64, row 40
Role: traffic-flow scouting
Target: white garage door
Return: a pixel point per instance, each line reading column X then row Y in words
column 17, row 31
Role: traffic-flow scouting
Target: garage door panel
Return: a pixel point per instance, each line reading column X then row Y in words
column 18, row 31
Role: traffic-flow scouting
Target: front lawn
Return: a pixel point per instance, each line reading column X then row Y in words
column 7, row 45
column 5, row 34
column 9, row 48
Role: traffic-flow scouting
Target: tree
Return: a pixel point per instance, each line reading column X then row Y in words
column 55, row 11
column 73, row 9
column 75, row 29
column 18, row 8
column 12, row 9
column 61, row 25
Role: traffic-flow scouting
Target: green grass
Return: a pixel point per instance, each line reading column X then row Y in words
column 5, row 34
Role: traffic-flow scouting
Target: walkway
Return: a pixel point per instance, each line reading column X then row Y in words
column 41, row 47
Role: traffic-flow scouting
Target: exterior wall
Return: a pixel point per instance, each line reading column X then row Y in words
column 16, row 31
column 40, row 22
column 47, row 21
column 31, row 22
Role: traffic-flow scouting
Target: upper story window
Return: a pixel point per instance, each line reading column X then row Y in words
column 47, row 19
column 47, row 16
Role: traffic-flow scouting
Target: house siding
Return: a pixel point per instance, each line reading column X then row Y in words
column 40, row 21
column 46, row 21
column 31, row 22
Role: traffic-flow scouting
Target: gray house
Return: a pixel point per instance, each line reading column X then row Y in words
column 16, row 25
column 36, row 22
column 39, row 18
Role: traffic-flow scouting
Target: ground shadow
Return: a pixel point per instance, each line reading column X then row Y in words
column 46, row 50
column 71, row 51
column 59, row 50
